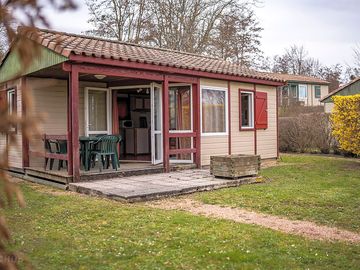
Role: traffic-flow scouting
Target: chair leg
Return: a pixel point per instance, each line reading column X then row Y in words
column 101, row 162
column 46, row 162
column 51, row 163
column 114, row 162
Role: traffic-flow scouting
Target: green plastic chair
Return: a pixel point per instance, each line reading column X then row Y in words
column 104, row 149
column 61, row 148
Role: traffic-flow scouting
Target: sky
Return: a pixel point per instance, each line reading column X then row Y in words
column 328, row 29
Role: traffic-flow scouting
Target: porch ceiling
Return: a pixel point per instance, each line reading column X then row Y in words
column 56, row 72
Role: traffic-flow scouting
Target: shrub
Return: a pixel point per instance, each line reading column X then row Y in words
column 345, row 120
column 306, row 133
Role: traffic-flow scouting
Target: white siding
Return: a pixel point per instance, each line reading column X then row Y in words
column 267, row 139
column 213, row 145
column 50, row 107
column 242, row 142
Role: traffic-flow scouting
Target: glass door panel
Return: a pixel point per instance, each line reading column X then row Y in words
column 156, row 124
column 180, row 117
column 97, row 111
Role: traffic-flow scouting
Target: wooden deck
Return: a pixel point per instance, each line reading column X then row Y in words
column 126, row 170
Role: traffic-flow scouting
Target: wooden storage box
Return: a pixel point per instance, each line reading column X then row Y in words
column 234, row 166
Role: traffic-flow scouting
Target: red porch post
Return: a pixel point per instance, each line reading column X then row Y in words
column 166, row 157
column 25, row 140
column 196, row 117
column 73, row 125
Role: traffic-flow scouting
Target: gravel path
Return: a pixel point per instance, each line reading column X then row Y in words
column 303, row 228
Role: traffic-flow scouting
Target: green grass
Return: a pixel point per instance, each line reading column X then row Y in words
column 320, row 189
column 63, row 231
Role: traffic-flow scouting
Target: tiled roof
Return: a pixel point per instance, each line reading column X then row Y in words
column 67, row 44
column 340, row 88
column 299, row 78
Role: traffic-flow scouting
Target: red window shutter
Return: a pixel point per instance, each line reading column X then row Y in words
column 261, row 113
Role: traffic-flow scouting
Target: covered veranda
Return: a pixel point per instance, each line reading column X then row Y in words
column 114, row 77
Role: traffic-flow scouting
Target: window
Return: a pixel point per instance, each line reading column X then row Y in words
column 11, row 104
column 285, row 91
column 214, row 111
column 302, row 91
column 247, row 109
column 11, row 101
column 317, row 91
column 293, row 88
column 180, row 108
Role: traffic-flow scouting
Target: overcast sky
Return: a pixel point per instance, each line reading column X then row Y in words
column 328, row 29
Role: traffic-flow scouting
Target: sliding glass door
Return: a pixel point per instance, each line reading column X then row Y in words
column 156, row 124
column 97, row 111
column 180, row 117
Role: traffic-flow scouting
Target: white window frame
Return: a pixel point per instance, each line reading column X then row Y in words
column 108, row 110
column 252, row 111
column 306, row 91
column 10, row 93
column 212, row 88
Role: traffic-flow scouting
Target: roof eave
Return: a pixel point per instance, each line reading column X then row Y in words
column 168, row 69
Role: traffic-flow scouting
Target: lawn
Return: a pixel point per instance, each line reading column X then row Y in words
column 60, row 230
column 306, row 187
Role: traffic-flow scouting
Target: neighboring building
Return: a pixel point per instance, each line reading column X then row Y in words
column 348, row 89
column 171, row 107
column 302, row 90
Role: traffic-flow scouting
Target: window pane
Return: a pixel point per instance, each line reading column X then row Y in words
column 302, row 91
column 180, row 143
column 180, row 107
column 317, row 91
column 293, row 90
column 213, row 111
column 97, row 110
column 157, row 109
column 246, row 109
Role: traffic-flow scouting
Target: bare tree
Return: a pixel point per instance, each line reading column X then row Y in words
column 18, row 13
column 194, row 26
column 296, row 61
column 238, row 37
column 121, row 19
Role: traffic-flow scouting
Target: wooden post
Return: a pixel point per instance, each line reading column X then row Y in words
column 229, row 115
column 69, row 141
column 25, row 140
column 197, row 122
column 166, row 157
column 73, row 128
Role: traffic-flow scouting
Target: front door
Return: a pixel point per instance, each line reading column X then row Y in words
column 156, row 124
column 97, row 111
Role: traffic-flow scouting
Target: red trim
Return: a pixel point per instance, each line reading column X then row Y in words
column 197, row 121
column 182, row 151
column 25, row 140
column 115, row 116
column 229, row 115
column 255, row 131
column 115, row 71
column 182, row 135
column 197, row 73
column 73, row 111
column 181, row 79
column 69, row 143
column 277, row 122
column 166, row 154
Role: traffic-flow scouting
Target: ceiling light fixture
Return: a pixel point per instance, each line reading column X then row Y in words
column 99, row 76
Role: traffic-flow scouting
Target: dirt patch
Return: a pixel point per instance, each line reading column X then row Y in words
column 303, row 228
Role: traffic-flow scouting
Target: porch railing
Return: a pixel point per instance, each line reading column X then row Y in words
column 183, row 150
column 45, row 153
